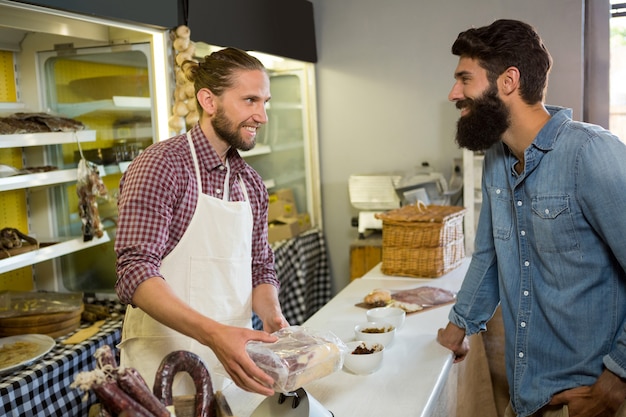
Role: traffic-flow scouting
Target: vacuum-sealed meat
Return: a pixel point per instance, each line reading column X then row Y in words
column 298, row 357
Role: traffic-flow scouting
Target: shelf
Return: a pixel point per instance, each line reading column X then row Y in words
column 46, row 138
column 49, row 252
column 116, row 104
column 288, row 146
column 269, row 183
column 259, row 149
column 284, row 106
column 40, row 179
column 11, row 106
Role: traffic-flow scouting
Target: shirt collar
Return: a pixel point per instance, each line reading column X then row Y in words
column 209, row 158
column 547, row 136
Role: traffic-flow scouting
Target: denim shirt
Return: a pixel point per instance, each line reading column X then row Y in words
column 551, row 249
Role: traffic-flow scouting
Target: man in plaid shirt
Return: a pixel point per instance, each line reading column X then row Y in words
column 193, row 257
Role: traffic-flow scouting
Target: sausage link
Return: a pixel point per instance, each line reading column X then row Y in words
column 134, row 385
column 104, row 356
column 185, row 361
column 115, row 400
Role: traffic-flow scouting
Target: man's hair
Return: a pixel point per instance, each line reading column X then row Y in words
column 217, row 71
column 509, row 43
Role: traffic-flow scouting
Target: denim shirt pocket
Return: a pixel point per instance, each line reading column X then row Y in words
column 553, row 225
column 501, row 213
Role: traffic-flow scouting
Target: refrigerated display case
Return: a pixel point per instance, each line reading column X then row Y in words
column 107, row 88
column 115, row 79
column 286, row 154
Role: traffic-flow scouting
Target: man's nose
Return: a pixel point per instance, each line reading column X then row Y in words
column 456, row 93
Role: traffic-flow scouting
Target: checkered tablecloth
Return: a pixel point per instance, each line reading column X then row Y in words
column 43, row 388
column 302, row 268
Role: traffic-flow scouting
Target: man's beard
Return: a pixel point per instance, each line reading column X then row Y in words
column 484, row 124
column 229, row 131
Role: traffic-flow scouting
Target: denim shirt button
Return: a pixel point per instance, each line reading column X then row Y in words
column 498, row 191
column 547, row 211
column 526, row 263
column 519, row 203
column 523, row 233
column 521, row 354
column 523, row 324
column 526, row 293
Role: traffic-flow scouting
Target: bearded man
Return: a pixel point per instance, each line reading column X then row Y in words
column 193, row 259
column 551, row 239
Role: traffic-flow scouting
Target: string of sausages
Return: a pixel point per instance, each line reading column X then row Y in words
column 123, row 392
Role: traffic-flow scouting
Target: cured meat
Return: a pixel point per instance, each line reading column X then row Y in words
column 89, row 188
column 185, row 361
column 424, row 296
column 12, row 125
column 51, row 122
column 20, row 123
column 134, row 385
column 11, row 237
column 298, row 357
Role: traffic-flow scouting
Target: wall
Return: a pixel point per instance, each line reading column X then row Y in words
column 383, row 76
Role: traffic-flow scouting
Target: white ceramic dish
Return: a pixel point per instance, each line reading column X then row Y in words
column 44, row 345
column 393, row 315
column 381, row 332
column 365, row 363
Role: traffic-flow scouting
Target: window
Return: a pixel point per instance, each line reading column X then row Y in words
column 617, row 92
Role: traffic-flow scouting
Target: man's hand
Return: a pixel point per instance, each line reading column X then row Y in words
column 266, row 305
column 275, row 323
column 229, row 345
column 602, row 399
column 453, row 337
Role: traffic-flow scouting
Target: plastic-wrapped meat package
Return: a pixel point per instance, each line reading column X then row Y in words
column 425, row 296
column 298, row 357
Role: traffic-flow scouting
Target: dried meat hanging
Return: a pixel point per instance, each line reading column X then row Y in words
column 89, row 187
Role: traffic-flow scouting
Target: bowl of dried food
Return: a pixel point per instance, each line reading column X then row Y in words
column 380, row 332
column 362, row 357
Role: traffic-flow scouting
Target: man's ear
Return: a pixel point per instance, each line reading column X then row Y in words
column 509, row 80
column 206, row 99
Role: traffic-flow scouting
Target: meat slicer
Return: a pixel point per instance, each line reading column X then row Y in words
column 372, row 194
column 293, row 404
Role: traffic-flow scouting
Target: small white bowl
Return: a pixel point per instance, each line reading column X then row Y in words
column 380, row 332
column 393, row 315
column 363, row 363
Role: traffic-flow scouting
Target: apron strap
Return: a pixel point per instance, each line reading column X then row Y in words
column 195, row 162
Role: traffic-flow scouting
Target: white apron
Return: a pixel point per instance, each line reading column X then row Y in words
column 210, row 269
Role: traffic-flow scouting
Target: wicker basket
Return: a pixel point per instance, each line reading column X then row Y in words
column 422, row 241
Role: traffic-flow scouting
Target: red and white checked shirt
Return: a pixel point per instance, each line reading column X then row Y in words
column 158, row 195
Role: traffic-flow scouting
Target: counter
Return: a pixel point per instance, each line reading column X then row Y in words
column 418, row 377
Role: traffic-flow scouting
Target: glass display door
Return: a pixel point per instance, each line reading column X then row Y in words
column 108, row 89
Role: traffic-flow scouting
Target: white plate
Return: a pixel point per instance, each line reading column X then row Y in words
column 44, row 345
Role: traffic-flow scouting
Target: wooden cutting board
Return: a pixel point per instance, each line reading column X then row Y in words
column 40, row 319
column 51, row 324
